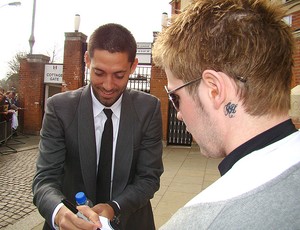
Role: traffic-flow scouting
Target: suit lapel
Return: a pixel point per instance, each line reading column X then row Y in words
column 124, row 146
column 86, row 142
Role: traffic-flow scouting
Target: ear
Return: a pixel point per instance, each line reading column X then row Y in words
column 87, row 59
column 134, row 65
column 215, row 83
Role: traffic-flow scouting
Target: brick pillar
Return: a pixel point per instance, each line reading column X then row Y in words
column 73, row 71
column 31, row 92
column 296, row 77
column 157, row 82
column 296, row 69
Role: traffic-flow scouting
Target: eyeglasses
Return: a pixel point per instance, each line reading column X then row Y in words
column 174, row 98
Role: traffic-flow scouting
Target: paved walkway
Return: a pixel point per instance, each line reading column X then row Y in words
column 17, row 167
column 186, row 173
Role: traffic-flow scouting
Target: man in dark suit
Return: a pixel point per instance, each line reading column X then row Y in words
column 70, row 144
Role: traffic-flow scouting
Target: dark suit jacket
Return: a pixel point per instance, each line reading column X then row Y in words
column 67, row 160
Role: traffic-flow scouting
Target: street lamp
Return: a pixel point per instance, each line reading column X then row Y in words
column 11, row 4
column 164, row 20
column 76, row 22
column 31, row 38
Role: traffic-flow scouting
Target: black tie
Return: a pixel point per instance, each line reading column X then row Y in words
column 105, row 160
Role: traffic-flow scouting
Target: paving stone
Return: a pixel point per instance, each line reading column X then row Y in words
column 17, row 171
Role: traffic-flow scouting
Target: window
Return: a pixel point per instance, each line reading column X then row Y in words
column 288, row 20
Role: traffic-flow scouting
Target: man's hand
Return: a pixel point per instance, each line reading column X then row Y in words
column 104, row 210
column 66, row 219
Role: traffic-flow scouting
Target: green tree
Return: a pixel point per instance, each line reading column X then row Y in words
column 11, row 81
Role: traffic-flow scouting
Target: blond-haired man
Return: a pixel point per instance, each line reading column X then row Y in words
column 229, row 67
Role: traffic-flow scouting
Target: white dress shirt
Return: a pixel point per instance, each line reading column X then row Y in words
column 99, row 121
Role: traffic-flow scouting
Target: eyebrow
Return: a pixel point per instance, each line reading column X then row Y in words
column 120, row 71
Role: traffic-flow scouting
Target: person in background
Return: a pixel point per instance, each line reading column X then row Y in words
column 13, row 105
column 2, row 107
column 6, row 111
column 13, row 100
column 69, row 149
column 229, row 70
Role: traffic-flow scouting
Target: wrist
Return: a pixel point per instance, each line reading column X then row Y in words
column 117, row 212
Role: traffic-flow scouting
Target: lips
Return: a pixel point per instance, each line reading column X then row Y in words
column 107, row 95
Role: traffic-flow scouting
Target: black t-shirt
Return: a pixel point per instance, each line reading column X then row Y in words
column 260, row 141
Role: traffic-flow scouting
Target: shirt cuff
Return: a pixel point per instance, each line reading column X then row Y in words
column 54, row 214
column 117, row 204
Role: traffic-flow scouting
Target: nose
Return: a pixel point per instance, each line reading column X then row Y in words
column 179, row 116
column 108, row 83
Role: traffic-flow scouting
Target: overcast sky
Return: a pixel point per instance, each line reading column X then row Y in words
column 55, row 17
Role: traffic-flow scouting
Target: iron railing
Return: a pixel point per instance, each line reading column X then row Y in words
column 5, row 134
column 140, row 79
column 177, row 133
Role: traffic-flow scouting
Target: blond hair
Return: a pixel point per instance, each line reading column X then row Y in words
column 246, row 39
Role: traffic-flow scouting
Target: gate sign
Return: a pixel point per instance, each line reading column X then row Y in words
column 53, row 73
column 143, row 53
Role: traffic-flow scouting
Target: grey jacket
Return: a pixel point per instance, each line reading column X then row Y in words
column 67, row 160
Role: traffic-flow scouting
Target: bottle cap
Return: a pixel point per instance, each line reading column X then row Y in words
column 80, row 198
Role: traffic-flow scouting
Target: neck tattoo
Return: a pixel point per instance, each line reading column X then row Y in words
column 230, row 109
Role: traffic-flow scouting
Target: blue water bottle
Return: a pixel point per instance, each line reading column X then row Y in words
column 81, row 199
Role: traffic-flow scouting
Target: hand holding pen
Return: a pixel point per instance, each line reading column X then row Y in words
column 73, row 209
column 67, row 221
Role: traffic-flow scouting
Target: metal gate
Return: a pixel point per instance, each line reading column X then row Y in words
column 140, row 79
column 177, row 133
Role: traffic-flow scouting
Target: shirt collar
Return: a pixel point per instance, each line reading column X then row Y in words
column 260, row 141
column 98, row 107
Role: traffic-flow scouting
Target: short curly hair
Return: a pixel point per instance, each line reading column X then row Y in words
column 113, row 38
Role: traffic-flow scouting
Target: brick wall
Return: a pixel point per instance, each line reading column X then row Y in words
column 296, row 68
column 296, row 28
column 73, row 71
column 157, row 83
column 31, row 93
column 295, row 20
column 32, row 89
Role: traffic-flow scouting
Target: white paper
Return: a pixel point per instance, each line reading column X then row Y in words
column 105, row 223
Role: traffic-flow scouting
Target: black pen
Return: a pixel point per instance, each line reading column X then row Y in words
column 72, row 208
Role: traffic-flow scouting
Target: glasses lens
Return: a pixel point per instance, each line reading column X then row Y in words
column 175, row 100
